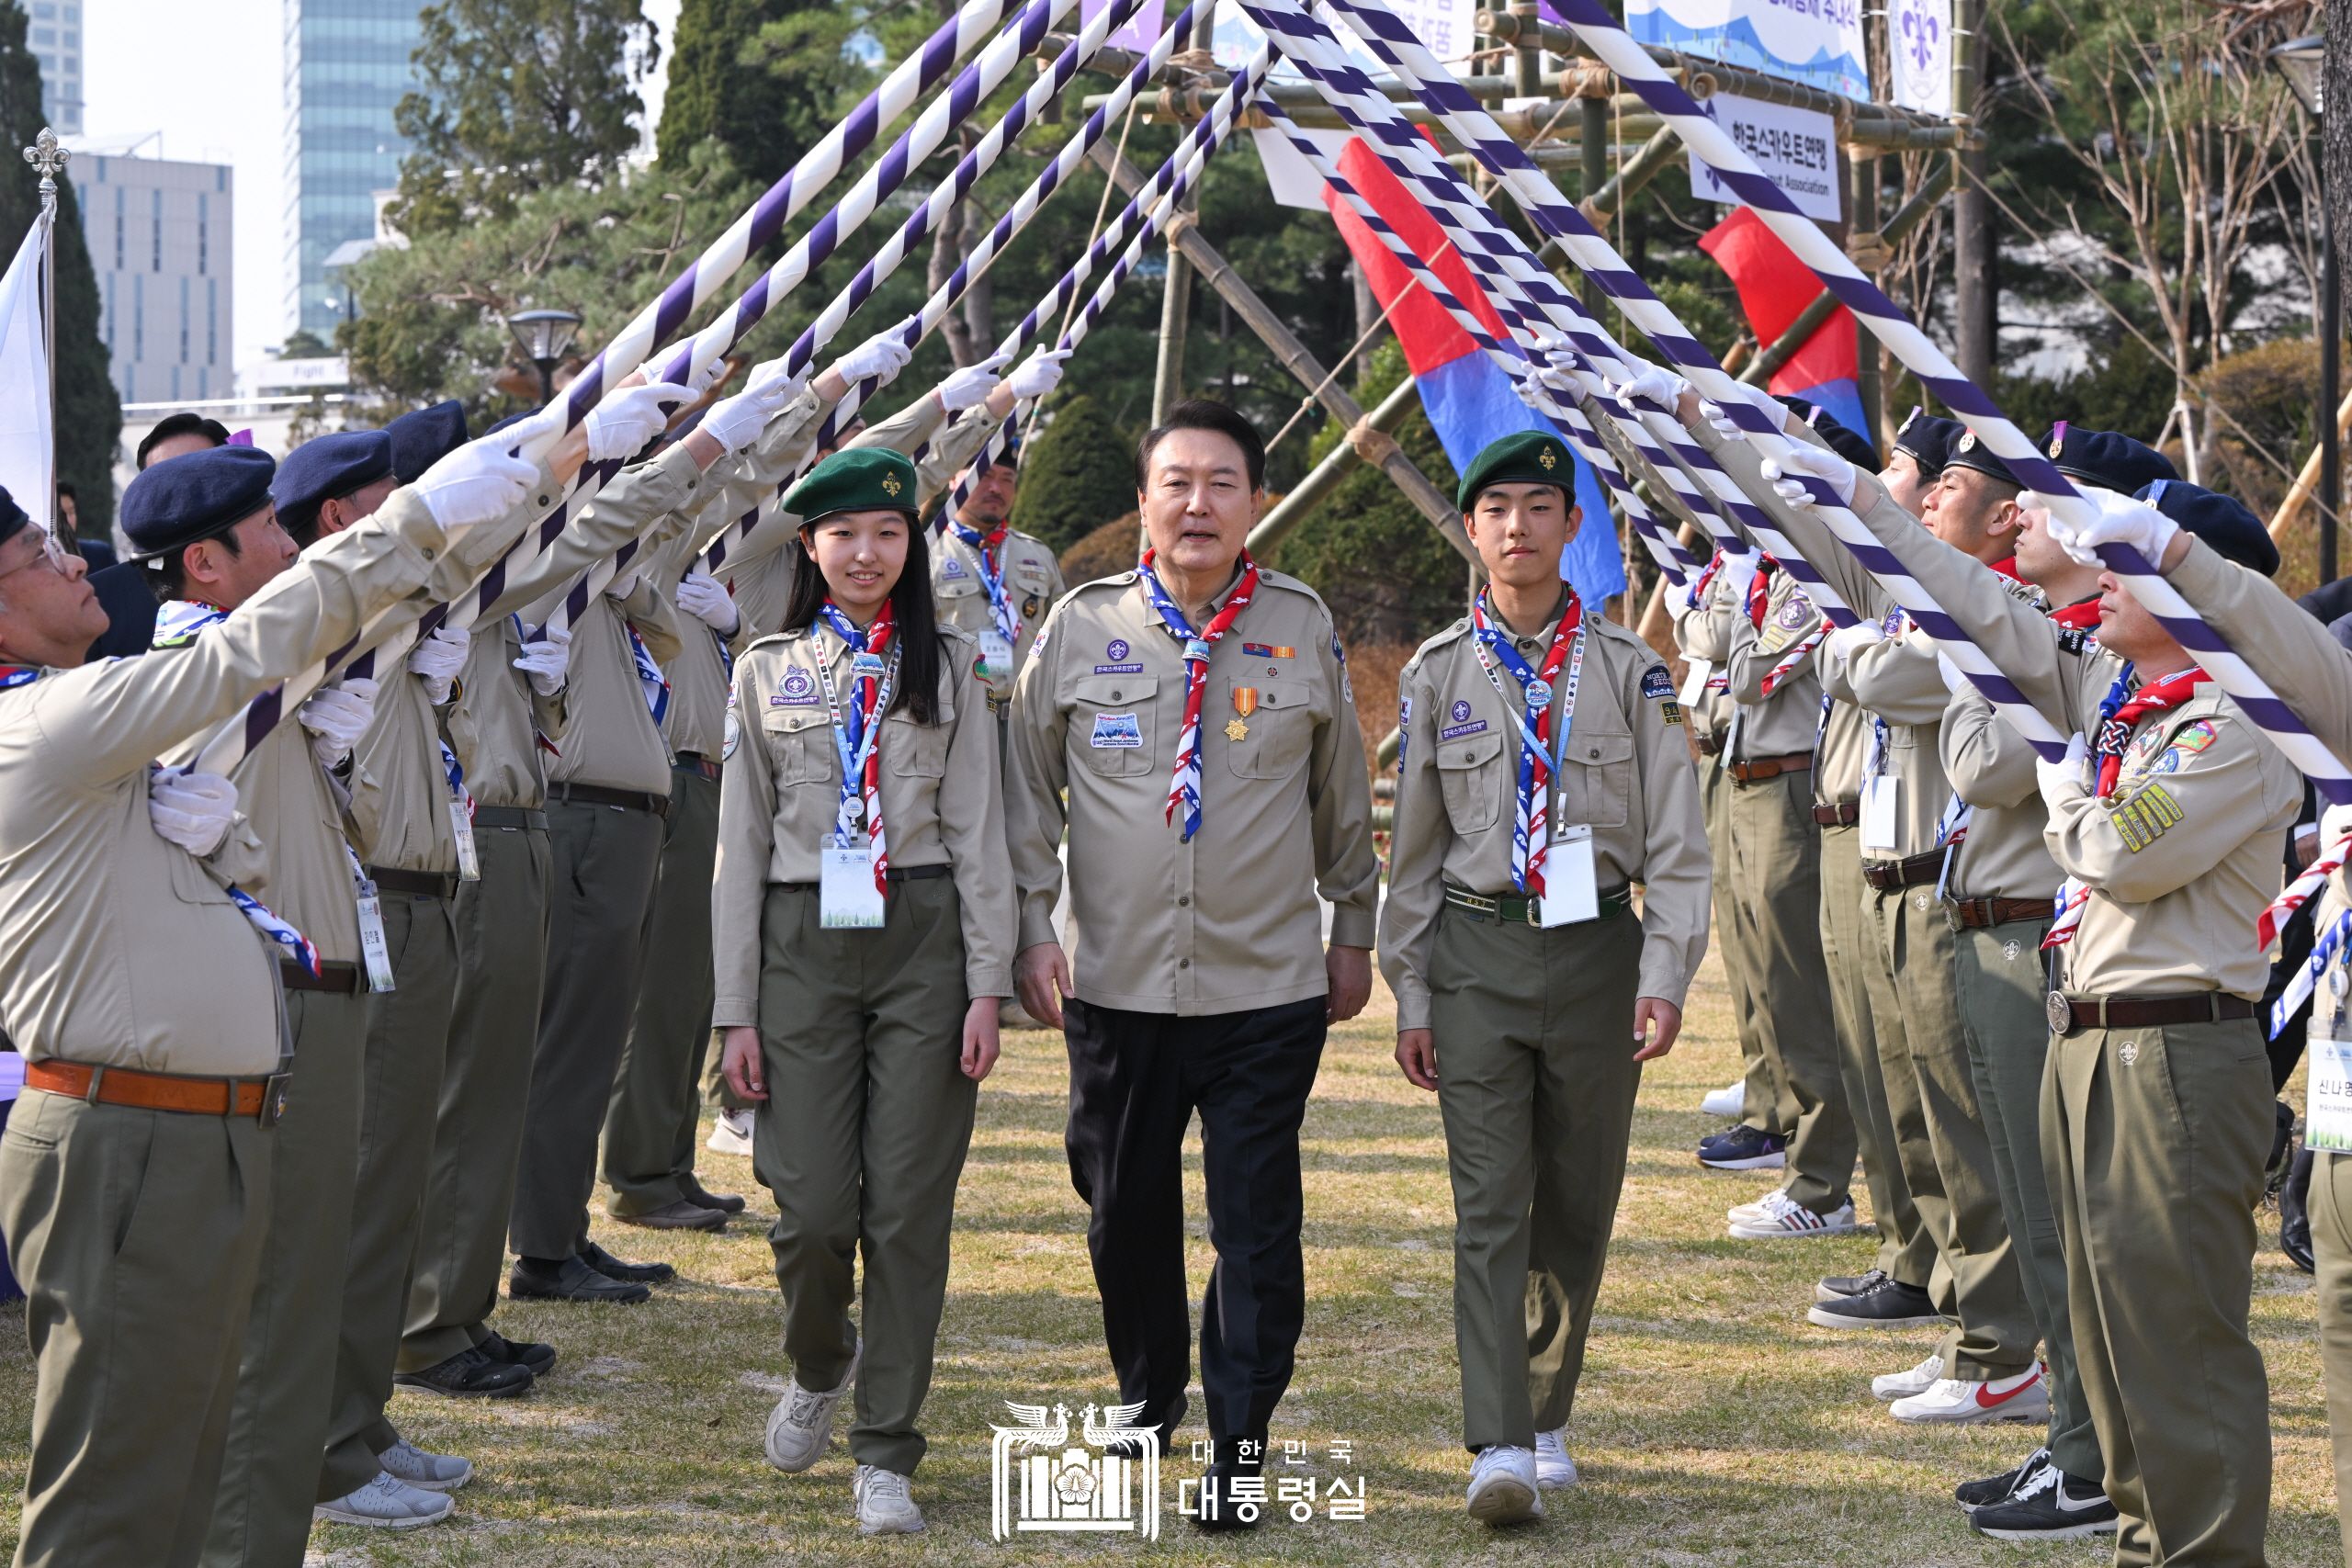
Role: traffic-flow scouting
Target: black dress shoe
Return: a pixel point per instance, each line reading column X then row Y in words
column 1838, row 1287
column 725, row 1203
column 472, row 1374
column 2294, row 1213
column 570, row 1280
column 525, row 1353
column 1214, row 1509
column 612, row 1268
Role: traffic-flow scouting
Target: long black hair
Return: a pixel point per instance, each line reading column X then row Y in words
column 915, row 618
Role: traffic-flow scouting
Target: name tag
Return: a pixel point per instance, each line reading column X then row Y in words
column 374, row 951
column 996, row 656
column 462, row 822
column 1570, row 893
column 1116, row 732
column 1694, row 684
column 846, row 897
column 2328, row 1109
column 1880, row 798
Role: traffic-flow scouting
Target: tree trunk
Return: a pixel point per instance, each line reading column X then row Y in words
column 2336, row 128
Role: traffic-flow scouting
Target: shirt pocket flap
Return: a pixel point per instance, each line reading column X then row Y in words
column 955, row 587
column 1108, row 689
column 1283, row 697
column 1600, row 747
column 792, row 720
column 1472, row 751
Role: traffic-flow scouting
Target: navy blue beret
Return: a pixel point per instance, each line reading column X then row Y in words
column 194, row 496
column 1970, row 452
column 329, row 465
column 424, row 437
column 13, row 520
column 1929, row 440
column 1848, row 443
column 511, row 419
column 2223, row 522
column 2103, row 457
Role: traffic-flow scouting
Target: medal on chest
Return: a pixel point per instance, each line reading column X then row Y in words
column 1245, row 703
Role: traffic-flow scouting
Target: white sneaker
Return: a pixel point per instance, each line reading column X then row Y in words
column 800, row 1427
column 885, row 1506
column 1728, row 1101
column 1755, row 1209
column 386, row 1503
column 1903, row 1385
column 732, row 1134
column 1780, row 1215
column 431, row 1472
column 2024, row 1397
column 1503, row 1486
column 1553, row 1466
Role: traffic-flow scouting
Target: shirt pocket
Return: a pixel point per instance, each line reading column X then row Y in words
column 1276, row 734
column 1596, row 784
column 915, row 751
column 800, row 745
column 1111, row 721
column 1470, row 776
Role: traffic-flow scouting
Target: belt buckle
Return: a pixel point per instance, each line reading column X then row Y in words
column 273, row 1097
column 2060, row 1013
column 1532, row 910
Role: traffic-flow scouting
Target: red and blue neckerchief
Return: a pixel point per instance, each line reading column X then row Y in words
column 857, row 734
column 14, row 676
column 1184, row 787
column 2122, row 709
column 1530, row 825
column 989, row 547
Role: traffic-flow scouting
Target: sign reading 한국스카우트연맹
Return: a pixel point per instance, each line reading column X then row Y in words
column 1798, row 148
column 1818, row 42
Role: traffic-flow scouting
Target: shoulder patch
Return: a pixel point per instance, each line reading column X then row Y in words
column 1657, row 685
column 2148, row 815
column 2076, row 639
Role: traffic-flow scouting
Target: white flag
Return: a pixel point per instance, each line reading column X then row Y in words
column 26, row 448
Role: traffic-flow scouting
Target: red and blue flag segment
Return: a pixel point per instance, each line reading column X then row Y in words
column 1469, row 400
column 1774, row 289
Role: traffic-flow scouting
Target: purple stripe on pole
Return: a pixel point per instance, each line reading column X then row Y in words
column 262, row 715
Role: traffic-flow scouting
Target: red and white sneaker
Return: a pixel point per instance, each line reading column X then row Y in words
column 1777, row 1214
column 2024, row 1397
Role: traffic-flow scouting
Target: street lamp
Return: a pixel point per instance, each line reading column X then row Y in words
column 2304, row 62
column 545, row 336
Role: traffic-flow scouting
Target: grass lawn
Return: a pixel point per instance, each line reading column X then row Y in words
column 1715, row 1425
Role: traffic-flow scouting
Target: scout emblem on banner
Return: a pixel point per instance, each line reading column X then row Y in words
column 1245, row 703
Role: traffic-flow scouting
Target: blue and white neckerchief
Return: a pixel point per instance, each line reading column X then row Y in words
column 1184, row 784
column 278, row 932
column 455, row 772
column 179, row 620
column 655, row 685
column 991, row 575
column 14, row 676
column 2327, row 952
column 857, row 733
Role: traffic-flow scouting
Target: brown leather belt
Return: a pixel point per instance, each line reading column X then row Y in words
column 1972, row 914
column 1708, row 747
column 597, row 795
column 1845, row 814
column 429, row 883
column 263, row 1097
column 334, row 976
column 2067, row 1015
column 1756, row 770
column 510, row 816
column 695, row 762
column 1886, row 876
column 892, row 874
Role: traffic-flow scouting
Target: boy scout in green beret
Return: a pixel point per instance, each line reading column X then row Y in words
column 1541, row 772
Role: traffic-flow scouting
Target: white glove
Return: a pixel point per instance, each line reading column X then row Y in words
column 972, row 384
column 626, row 420
column 337, row 716
column 735, row 422
column 548, row 660
column 192, row 810
column 1725, row 426
column 2119, row 521
column 1739, row 575
column 477, row 484
column 1848, row 640
column 438, row 659
column 1662, row 388
column 700, row 595
column 1039, row 374
column 2057, row 778
column 1787, row 474
column 880, row 358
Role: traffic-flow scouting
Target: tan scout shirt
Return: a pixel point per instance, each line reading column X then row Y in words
column 1785, row 723
column 121, row 950
column 1992, row 769
column 1697, row 636
column 942, row 803
column 1228, row 921
column 1032, row 582
column 400, row 790
column 1837, row 759
column 1627, row 776
column 2184, row 856
column 495, row 720
column 298, row 814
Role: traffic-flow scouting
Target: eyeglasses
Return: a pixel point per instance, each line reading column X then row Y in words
column 53, row 555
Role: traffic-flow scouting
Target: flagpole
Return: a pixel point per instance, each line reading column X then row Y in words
column 48, row 158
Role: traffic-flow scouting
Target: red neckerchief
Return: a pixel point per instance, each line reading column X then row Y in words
column 2116, row 733
column 2007, row 566
column 1759, row 589
column 2081, row 616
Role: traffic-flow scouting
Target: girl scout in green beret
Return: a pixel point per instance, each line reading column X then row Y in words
column 862, row 922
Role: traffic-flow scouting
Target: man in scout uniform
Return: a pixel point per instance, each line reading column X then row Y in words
column 1541, row 772
column 135, row 1173
column 990, row 579
column 2167, row 825
column 1197, row 711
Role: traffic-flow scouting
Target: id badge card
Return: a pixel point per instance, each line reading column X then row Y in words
column 2328, row 1109
column 996, row 655
column 846, row 897
column 1694, row 684
column 462, row 822
column 1880, row 825
column 375, row 953
column 1571, row 894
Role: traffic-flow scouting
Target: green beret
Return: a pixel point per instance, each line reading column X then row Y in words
column 863, row 478
column 1522, row 457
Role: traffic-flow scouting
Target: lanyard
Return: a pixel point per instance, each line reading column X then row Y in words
column 1531, row 828
column 992, row 576
column 856, row 736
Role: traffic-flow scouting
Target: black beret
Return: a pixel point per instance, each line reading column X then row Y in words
column 1929, row 440
column 1970, row 452
column 2104, row 459
column 328, row 466
column 2223, row 522
column 13, row 520
column 424, row 437
column 864, row 478
column 1522, row 457
column 511, row 419
column 195, row 496
column 1848, row 443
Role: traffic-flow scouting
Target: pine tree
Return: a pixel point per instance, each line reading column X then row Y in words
column 88, row 413
column 1077, row 474
column 760, row 76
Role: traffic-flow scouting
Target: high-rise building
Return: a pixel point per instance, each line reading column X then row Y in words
column 158, row 233
column 56, row 39
column 347, row 67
